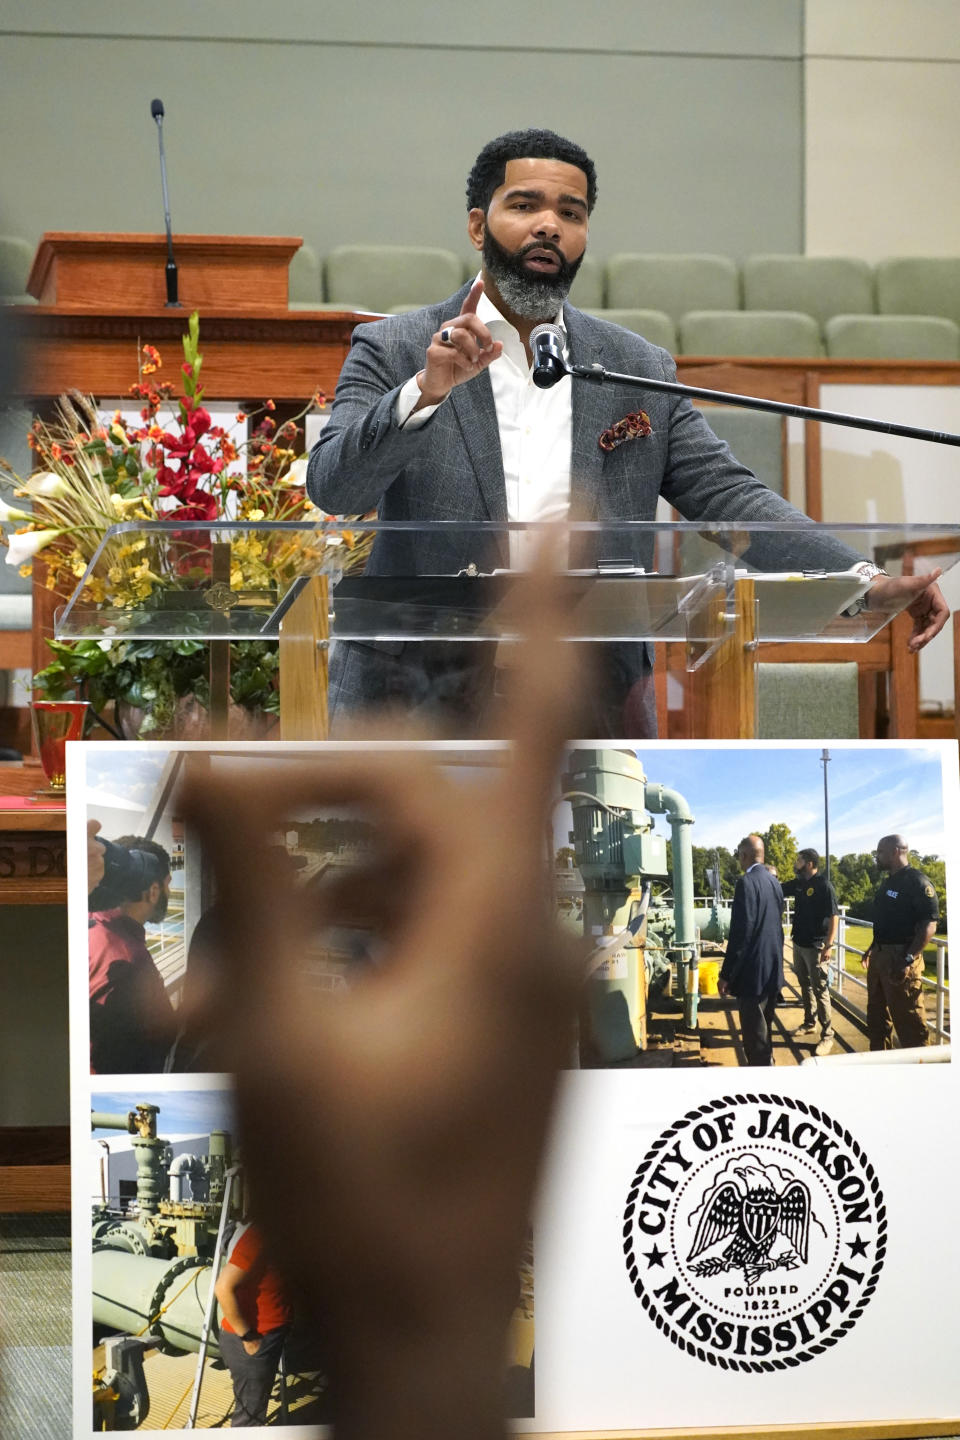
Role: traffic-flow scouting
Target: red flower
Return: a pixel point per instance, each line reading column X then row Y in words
column 201, row 507
column 169, row 480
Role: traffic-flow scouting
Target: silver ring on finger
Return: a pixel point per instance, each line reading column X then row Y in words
column 445, row 337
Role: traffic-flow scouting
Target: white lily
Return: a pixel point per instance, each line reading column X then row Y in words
column 22, row 548
column 46, row 483
column 296, row 476
column 9, row 512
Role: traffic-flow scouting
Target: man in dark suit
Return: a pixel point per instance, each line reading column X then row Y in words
column 436, row 419
column 752, row 969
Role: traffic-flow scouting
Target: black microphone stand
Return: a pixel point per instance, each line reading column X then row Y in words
column 599, row 376
column 170, row 270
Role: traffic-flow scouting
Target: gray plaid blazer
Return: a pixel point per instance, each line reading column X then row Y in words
column 450, row 468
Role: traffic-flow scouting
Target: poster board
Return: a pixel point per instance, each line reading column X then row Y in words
column 833, row 1185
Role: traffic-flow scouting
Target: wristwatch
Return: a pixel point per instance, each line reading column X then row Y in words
column 868, row 572
column 251, row 1335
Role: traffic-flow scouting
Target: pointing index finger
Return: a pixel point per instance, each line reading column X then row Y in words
column 473, row 299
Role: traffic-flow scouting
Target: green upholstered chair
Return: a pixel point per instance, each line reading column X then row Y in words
column 817, row 285
column 919, row 286
column 892, row 337
column 16, row 257
column 587, row 290
column 749, row 332
column 381, row 277
column 808, row 702
column 674, row 283
column 758, row 440
column 303, row 285
column 654, row 325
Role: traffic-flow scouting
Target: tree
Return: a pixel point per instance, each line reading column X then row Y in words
column 855, row 879
column 936, row 872
column 780, row 845
column 706, row 857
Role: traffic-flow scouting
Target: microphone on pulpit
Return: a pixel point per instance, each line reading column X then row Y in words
column 156, row 110
column 549, row 365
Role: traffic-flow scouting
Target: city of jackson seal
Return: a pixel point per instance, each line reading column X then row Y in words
column 754, row 1232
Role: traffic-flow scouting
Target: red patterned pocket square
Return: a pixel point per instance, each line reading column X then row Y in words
column 629, row 428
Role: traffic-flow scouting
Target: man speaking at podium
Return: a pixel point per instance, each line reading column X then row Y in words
column 436, row 418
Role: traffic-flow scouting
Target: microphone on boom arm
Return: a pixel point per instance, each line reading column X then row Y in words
column 549, row 364
column 156, row 110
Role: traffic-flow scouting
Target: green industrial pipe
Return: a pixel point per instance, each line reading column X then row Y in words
column 218, row 1151
column 661, row 800
column 139, row 1295
column 104, row 1120
column 713, row 922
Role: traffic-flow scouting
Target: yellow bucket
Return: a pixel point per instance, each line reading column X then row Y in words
column 709, row 974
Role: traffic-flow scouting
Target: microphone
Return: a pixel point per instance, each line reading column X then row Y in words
column 156, row 110
column 549, row 364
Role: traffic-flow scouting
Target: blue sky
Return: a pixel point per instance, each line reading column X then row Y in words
column 129, row 774
column 182, row 1112
column 873, row 791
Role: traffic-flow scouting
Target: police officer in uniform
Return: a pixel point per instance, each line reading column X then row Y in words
column 814, row 927
column 905, row 914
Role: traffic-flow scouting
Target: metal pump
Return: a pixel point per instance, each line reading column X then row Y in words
column 619, row 855
column 153, row 1264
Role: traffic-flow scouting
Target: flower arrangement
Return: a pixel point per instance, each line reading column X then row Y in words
column 176, row 464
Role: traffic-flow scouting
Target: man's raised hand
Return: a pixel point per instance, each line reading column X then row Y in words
column 459, row 350
column 410, row 1110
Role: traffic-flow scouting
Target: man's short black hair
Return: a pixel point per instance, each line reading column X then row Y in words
column 490, row 165
column 812, row 857
column 151, row 863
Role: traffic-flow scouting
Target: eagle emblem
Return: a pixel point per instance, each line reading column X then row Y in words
column 756, row 1211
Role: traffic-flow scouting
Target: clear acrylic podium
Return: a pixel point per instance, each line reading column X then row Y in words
column 722, row 591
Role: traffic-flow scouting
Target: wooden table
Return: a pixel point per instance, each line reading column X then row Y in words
column 34, row 1159
column 33, row 841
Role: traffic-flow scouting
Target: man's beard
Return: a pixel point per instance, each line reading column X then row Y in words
column 160, row 909
column 534, row 296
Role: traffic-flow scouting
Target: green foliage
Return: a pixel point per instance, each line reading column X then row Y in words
column 706, row 858
column 193, row 362
column 153, row 675
column 936, row 872
column 855, row 879
column 780, row 849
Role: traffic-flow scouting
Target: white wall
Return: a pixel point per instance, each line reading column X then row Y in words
column 881, row 120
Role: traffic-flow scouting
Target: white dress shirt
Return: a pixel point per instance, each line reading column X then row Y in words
column 536, row 432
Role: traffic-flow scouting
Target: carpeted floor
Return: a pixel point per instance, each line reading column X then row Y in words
column 35, row 1327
